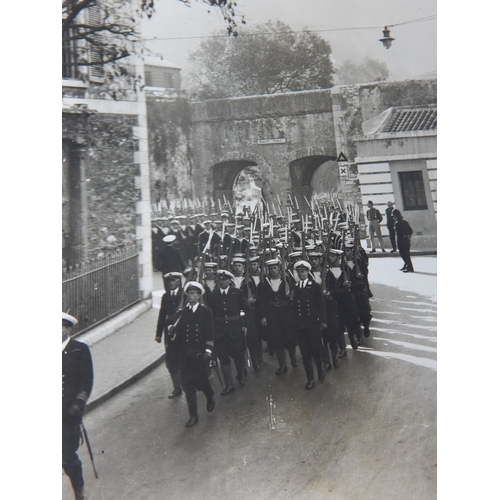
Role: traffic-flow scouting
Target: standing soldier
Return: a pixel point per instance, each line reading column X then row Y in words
column 274, row 295
column 390, row 224
column 374, row 218
column 309, row 319
column 230, row 308
column 77, row 382
column 170, row 303
column 192, row 331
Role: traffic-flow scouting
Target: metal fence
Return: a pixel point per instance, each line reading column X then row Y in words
column 96, row 290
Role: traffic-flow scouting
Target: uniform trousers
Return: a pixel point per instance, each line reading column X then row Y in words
column 194, row 376
column 71, row 434
column 310, row 346
column 332, row 333
column 228, row 348
column 280, row 331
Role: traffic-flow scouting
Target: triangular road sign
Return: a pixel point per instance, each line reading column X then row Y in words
column 341, row 157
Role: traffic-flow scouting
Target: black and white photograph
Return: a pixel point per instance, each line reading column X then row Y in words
column 249, row 249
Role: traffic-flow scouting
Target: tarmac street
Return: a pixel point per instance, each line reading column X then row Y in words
column 368, row 431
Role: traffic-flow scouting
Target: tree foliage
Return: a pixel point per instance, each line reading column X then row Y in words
column 97, row 32
column 369, row 70
column 265, row 59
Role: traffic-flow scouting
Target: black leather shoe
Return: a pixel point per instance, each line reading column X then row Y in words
column 392, row 251
column 321, row 375
column 293, row 361
column 383, row 250
column 175, row 393
column 281, row 369
column 372, row 251
column 336, row 361
column 354, row 342
column 407, row 271
column 360, row 340
column 342, row 352
column 328, row 367
column 193, row 419
column 366, row 332
column 309, row 385
column 210, row 404
column 227, row 390
column 241, row 379
column 403, row 269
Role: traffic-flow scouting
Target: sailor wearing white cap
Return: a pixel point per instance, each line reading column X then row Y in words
column 209, row 276
column 193, row 331
column 77, row 382
column 309, row 318
column 276, row 314
column 170, row 302
column 169, row 258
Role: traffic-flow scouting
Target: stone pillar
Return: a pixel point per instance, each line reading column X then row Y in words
column 77, row 247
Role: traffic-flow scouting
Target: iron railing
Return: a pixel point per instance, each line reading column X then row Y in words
column 96, row 290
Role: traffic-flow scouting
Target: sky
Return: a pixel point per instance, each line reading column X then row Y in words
column 359, row 25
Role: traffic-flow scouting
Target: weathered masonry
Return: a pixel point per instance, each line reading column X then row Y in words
column 197, row 149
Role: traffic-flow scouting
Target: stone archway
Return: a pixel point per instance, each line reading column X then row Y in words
column 301, row 174
column 224, row 175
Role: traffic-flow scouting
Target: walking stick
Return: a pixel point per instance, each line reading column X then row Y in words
column 86, row 438
column 215, row 365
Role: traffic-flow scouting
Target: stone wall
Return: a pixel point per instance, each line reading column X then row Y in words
column 169, row 148
column 111, row 189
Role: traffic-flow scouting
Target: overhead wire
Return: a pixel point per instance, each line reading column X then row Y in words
column 419, row 20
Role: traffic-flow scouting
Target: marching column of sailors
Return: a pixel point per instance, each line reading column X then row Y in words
column 293, row 303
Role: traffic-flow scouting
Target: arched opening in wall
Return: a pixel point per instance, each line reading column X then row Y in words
column 326, row 179
column 301, row 175
column 247, row 188
column 238, row 182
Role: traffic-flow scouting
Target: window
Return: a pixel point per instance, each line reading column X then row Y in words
column 69, row 54
column 158, row 77
column 413, row 190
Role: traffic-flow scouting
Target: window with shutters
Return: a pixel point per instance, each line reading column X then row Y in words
column 69, row 54
column 413, row 190
column 96, row 68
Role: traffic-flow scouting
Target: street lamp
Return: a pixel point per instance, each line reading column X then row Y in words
column 386, row 39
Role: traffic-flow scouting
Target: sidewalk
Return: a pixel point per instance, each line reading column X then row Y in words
column 123, row 353
column 124, row 350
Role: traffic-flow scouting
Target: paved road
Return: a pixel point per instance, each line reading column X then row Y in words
column 367, row 432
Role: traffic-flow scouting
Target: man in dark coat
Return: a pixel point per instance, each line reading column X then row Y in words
column 403, row 236
column 230, row 308
column 169, row 259
column 192, row 330
column 169, row 304
column 390, row 224
column 309, row 319
column 77, row 382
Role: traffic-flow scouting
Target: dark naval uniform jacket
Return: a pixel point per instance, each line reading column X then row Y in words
column 226, row 309
column 77, row 378
column 194, row 332
column 308, row 306
column 169, row 305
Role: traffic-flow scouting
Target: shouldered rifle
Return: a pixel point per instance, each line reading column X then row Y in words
column 325, row 264
column 343, row 263
column 359, row 274
column 247, row 274
column 284, row 271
